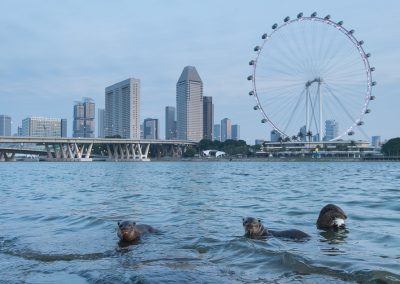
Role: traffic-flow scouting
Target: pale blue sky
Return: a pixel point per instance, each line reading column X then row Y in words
column 55, row 52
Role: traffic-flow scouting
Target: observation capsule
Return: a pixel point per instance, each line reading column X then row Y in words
column 368, row 54
column 313, row 14
column 327, row 17
column 287, row 19
column 351, row 132
column 264, row 120
column 251, row 62
column 251, row 93
column 264, row 36
column 256, row 107
column 299, row 15
column 250, row 77
column 351, row 32
column 360, row 123
column 371, row 98
column 372, row 69
column 257, row 48
column 274, row 26
column 361, row 42
column 367, row 110
column 340, row 23
column 373, row 83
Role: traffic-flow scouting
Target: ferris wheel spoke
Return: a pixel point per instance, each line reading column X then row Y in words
column 294, row 110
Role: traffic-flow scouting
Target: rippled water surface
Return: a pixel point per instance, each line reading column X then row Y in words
column 58, row 222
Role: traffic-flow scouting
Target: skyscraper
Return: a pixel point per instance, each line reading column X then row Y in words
column 208, row 118
column 170, row 123
column 122, row 112
column 376, row 141
column 226, row 129
column 331, row 129
column 5, row 125
column 217, row 132
column 151, row 129
column 100, row 123
column 275, row 136
column 64, row 127
column 43, row 127
column 84, row 114
column 236, row 132
column 189, row 105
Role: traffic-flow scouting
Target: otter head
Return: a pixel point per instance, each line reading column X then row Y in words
column 127, row 231
column 331, row 217
column 253, row 227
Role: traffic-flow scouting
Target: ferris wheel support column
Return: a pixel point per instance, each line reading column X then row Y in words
column 307, row 95
column 320, row 108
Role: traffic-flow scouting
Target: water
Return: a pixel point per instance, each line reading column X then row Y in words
column 58, row 222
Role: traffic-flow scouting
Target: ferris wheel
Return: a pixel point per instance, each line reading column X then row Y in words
column 311, row 77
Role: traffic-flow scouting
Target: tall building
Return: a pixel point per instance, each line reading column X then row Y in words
column 5, row 125
column 170, row 123
column 100, row 123
column 259, row 141
column 208, row 118
column 303, row 133
column 84, row 114
column 64, row 127
column 331, row 129
column 217, row 132
column 151, row 129
column 376, row 141
column 189, row 105
column 226, row 129
column 122, row 111
column 275, row 136
column 236, row 132
column 43, row 127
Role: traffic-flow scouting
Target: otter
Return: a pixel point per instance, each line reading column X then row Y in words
column 129, row 231
column 255, row 229
column 331, row 217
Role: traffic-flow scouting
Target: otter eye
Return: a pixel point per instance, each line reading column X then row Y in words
column 259, row 220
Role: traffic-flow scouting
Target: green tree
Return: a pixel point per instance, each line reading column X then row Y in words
column 189, row 153
column 391, row 147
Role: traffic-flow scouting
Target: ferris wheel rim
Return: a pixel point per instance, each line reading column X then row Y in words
column 356, row 44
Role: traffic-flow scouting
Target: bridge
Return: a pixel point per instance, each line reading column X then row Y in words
column 80, row 149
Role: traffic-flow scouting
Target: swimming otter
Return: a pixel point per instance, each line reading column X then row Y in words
column 331, row 217
column 129, row 231
column 255, row 229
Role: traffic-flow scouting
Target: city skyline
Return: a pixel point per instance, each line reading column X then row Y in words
column 66, row 56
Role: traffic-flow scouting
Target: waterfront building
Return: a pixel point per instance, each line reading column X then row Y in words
column 331, row 129
column 43, row 127
column 84, row 114
column 259, row 141
column 208, row 118
column 100, row 123
column 217, row 132
column 151, row 129
column 170, row 123
column 189, row 105
column 376, row 141
column 236, row 132
column 64, row 127
column 5, row 125
column 226, row 129
column 275, row 136
column 122, row 109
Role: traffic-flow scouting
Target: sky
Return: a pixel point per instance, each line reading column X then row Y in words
column 53, row 53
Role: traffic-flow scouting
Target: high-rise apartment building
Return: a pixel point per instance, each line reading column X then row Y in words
column 236, row 132
column 5, row 125
column 43, row 127
column 84, row 114
column 226, row 129
column 208, row 118
column 189, row 105
column 331, row 129
column 100, row 123
column 170, row 123
column 64, row 127
column 151, row 129
column 376, row 141
column 122, row 109
column 275, row 136
column 217, row 132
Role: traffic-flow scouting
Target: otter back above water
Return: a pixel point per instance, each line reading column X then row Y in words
column 58, row 222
